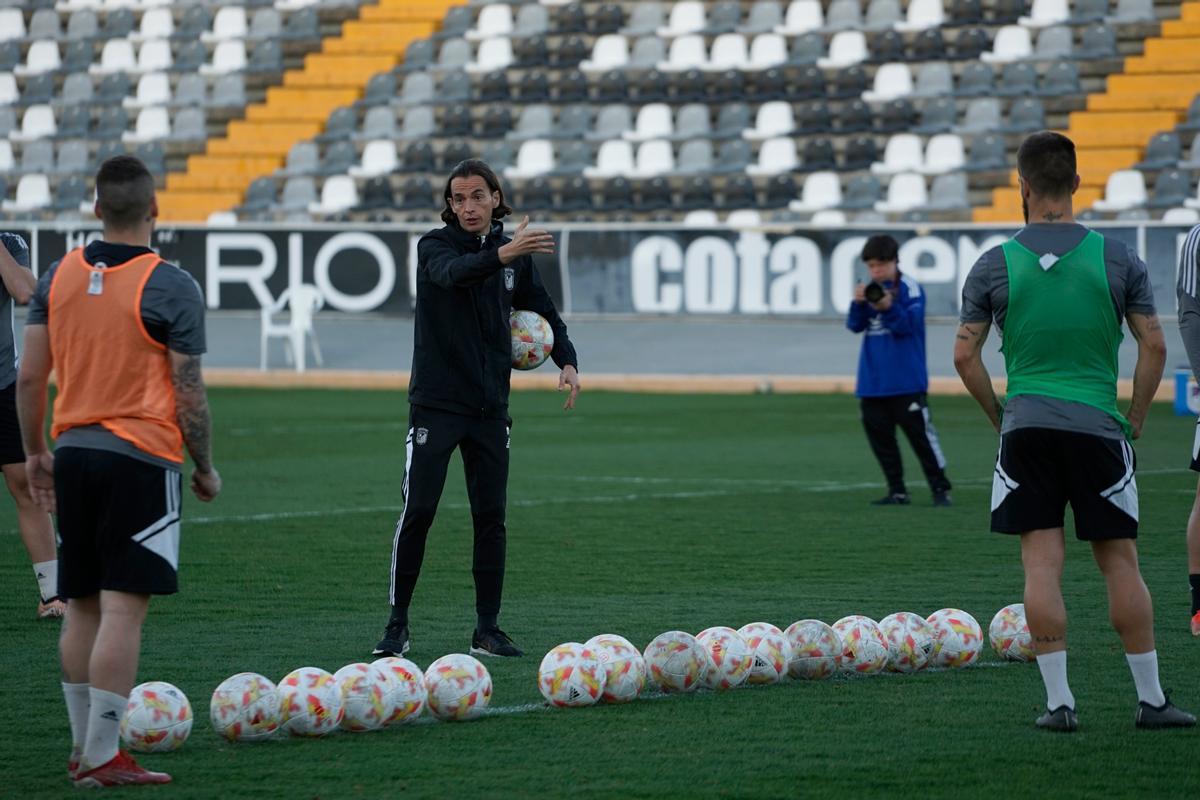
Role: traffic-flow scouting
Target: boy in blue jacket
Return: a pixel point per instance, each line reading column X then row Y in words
column 892, row 377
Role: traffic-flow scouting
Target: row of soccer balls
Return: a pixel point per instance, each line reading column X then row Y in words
column 362, row 697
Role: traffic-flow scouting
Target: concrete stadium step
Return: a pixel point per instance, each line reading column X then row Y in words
column 372, row 41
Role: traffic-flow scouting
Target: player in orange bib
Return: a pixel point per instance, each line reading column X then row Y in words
column 123, row 331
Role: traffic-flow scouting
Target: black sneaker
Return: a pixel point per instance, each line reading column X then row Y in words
column 1164, row 716
column 1061, row 720
column 394, row 641
column 893, row 499
column 942, row 499
column 494, row 642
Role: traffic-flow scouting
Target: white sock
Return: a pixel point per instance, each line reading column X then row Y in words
column 47, row 578
column 104, row 727
column 1054, row 675
column 79, row 700
column 1144, row 667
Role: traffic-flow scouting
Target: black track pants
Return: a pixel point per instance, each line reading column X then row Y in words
column 432, row 437
column 881, row 415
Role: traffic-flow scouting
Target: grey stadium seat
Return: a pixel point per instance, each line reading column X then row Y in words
column 929, row 45
column 39, row 89
column 987, row 152
column 738, row 193
column 454, row 153
column 302, row 26
column 456, row 121
column 646, row 53
column 724, row 17
column 574, row 122
column 612, row 121
column 934, row 79
column 732, row 119
column 454, row 54
column 572, row 157
column 69, row 194
column 419, row 55
column 1084, row 11
column 843, row 15
column 189, row 125
column 970, row 43
column 644, row 18
column 734, row 155
column 153, row 156
column 1193, row 159
column 534, row 20
column 949, row 192
column 607, row 19
column 260, row 196
column 498, row 154
column 74, row 122
column 339, row 157
column 298, row 194
column 381, row 88
column 1061, row 80
column 192, row 90
column 458, row 20
column 1053, row 43
column 44, row 24
column 265, row 57
column 695, row 157
column 861, row 192
column 380, row 122
column 1017, row 79
column 37, row 156
column 340, row 125
column 1163, row 151
column 806, row 48
column 576, row 195
column 814, row 117
column 419, row 89
column 377, row 194
column 73, row 158
column 860, row 153
column 692, row 121
column 497, row 121
column 302, row 159
column 265, row 24
column 83, row 25
column 882, row 15
column 195, row 21
column 535, row 122
column 937, row 116
column 855, row 116
column 764, row 15
column 112, row 89
column 1171, row 188
column 1026, row 115
column 229, row 91
column 455, row 87
column 77, row 89
column 418, row 157
column 1096, row 41
column 982, row 116
column 78, row 56
column 976, row 80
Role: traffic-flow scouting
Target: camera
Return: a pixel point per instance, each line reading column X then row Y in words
column 874, row 292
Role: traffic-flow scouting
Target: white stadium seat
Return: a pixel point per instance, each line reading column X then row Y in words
column 152, row 123
column 378, row 158
column 611, row 51
column 902, row 153
column 821, row 190
column 33, row 194
column 687, row 52
column 766, row 51
column 153, row 89
column 155, row 56
column 892, row 81
column 922, row 14
column 846, row 49
column 1012, row 43
column 42, row 57
column 339, row 193
column 728, row 52
column 687, row 16
column 1046, row 12
column 229, row 23
column 1126, row 188
column 38, row 123
column 157, row 23
column 493, row 20
column 227, row 57
column 536, row 157
column 654, row 157
column 614, row 159
column 802, row 16
column 944, row 153
column 654, row 121
column 774, row 118
column 775, row 156
column 905, row 192
column 493, row 54
column 12, row 24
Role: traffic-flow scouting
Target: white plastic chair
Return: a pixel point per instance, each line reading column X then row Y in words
column 775, row 157
column 116, row 56
column 944, row 153
column 155, row 56
column 227, row 57
column 611, row 51
column 339, row 193
column 846, row 49
column 301, row 302
column 728, row 52
column 152, row 123
column 743, row 218
column 774, row 118
column 1126, row 188
column 687, row 16
column 493, row 54
column 33, row 193
column 9, row 93
column 654, row 157
column 1181, row 216
column 829, row 217
column 157, row 23
column 766, row 51
column 229, row 23
column 1046, row 12
column 687, row 52
column 378, row 158
column 821, row 190
column 493, row 20
column 614, row 159
column 922, row 14
column 905, row 192
column 42, row 57
column 802, row 16
column 37, row 123
column 536, row 157
column 902, row 153
column 892, row 81
column 153, row 89
column 701, row 218
column 653, row 122
column 12, row 24
column 1012, row 43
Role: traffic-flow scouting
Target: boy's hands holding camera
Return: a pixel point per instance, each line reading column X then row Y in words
column 873, row 293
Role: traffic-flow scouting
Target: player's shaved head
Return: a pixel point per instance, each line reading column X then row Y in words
column 124, row 193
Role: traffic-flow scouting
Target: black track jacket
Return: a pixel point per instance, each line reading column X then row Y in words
column 462, row 350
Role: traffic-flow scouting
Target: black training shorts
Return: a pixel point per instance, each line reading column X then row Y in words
column 11, row 451
column 118, row 521
column 1040, row 470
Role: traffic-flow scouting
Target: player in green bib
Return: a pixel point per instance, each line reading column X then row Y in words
column 1058, row 292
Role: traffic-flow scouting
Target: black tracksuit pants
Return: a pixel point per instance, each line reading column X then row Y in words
column 881, row 415
column 433, row 436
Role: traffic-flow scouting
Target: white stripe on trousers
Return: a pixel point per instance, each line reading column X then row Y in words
column 408, row 454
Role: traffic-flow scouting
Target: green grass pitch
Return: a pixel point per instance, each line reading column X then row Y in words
column 635, row 514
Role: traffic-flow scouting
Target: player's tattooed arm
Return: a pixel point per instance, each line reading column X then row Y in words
column 1147, row 374
column 191, row 408
column 968, row 360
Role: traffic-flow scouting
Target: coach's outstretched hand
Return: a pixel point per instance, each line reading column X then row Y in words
column 206, row 485
column 527, row 242
column 569, row 377
column 39, row 468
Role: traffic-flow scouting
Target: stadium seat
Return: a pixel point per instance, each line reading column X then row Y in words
column 8, row 122
column 1012, row 43
column 654, row 157
column 12, row 24
column 615, row 158
column 729, row 51
column 265, row 24
column 260, row 197
column 192, row 90
column 818, row 154
column 724, row 17
column 687, row 17
column 456, row 122
column 418, row 157
column 536, row 157
column 419, row 89
column 855, row 117
column 117, row 55
column 536, row 122
column 493, row 20
column 70, row 197
column 738, row 193
column 891, row 81
column 112, row 124
column 1171, row 189
column 1060, row 80
column 821, row 190
column 418, row 55
column 743, row 219
column 732, row 119
column 532, row 53
column 37, row 156
column 647, row 53
column 775, row 156
column 774, row 119
column 861, row 192
column 9, row 93
column 921, row 15
column 298, row 194
column 808, row 84
column 1018, row 78
column 196, row 19
column 493, row 54
column 696, row 193
column 455, row 54
column 905, row 192
column 859, row 154
column 379, row 158
column 971, row 43
column 611, row 122
column 83, row 24
column 74, row 122
column 228, row 56
column 802, row 16
column 1096, row 42
column 228, row 91
column 380, row 123
column 896, row 115
column 43, row 56
column 1085, row 11
column 943, row 153
column 982, row 116
column 886, row 47
column 339, row 193
column 882, row 15
column 965, row 12
column 903, row 153
column 653, row 122
column 1046, row 12
column 73, row 158
column 229, row 23
column 152, row 123
column 534, row 20
column 686, row 52
column 701, row 218
column 496, row 122
column 38, row 88
column 644, row 18
column 987, row 152
column 572, row 158
column 1053, row 43
column 44, row 24
column 805, row 49
column 340, row 125
column 949, row 193
column 608, row 18
column 493, row 87
column 1192, row 162
column 498, row 154
column 153, row 155
column 1126, row 188
column 1007, row 12
column 695, row 157
column 419, row 123
column 302, row 159
column 576, row 196
column 1026, row 116
column 155, row 56
column 1181, row 216
column 537, row 196
column 764, row 16
column 842, row 15
column 1162, row 152
column 37, row 122
column 766, row 51
column 153, row 89
column 301, row 302
column 1129, row 11
column 937, row 116
column 10, row 56
column 846, row 49
column 976, row 80
column 928, row 46
column 33, row 194
column 574, row 121
column 610, row 52
column 377, row 196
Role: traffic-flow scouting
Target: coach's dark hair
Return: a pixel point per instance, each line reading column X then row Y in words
column 881, row 247
column 465, row 169
column 124, row 192
column 1046, row 160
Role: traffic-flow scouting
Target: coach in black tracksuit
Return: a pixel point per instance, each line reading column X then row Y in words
column 469, row 277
